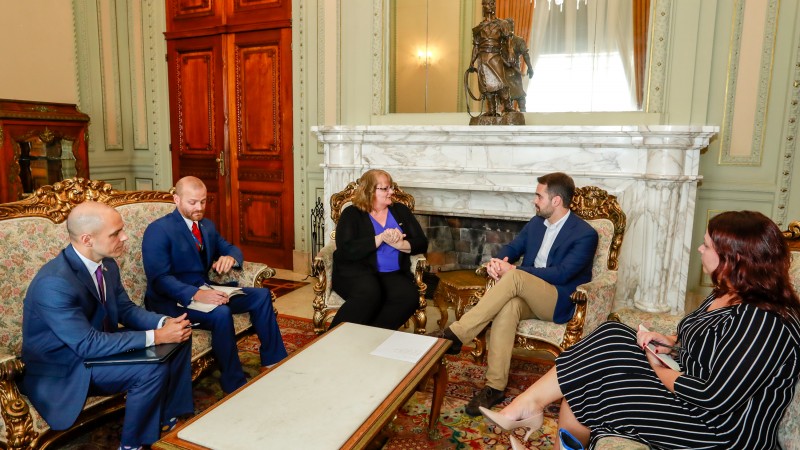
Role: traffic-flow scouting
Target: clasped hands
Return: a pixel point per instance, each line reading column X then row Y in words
column 496, row 268
column 177, row 329
column 392, row 236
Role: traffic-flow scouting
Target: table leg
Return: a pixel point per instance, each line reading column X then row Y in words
column 441, row 303
column 439, row 387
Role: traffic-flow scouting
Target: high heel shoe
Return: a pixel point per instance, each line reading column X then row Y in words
column 532, row 423
column 515, row 444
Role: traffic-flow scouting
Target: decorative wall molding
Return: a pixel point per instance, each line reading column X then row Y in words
column 136, row 43
column 789, row 147
column 157, row 92
column 82, row 69
column 109, row 74
column 762, row 95
column 657, row 54
column 378, row 57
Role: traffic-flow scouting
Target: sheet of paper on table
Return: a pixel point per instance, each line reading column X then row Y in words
column 404, row 346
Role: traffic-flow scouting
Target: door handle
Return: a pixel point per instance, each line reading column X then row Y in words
column 221, row 163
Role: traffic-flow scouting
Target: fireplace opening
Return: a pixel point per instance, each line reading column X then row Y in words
column 463, row 243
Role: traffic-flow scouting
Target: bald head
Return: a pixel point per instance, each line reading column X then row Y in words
column 95, row 231
column 87, row 218
column 190, row 198
column 189, row 183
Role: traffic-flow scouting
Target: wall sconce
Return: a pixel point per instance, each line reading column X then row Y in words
column 424, row 57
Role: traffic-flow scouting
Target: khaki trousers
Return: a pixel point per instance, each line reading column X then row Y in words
column 518, row 295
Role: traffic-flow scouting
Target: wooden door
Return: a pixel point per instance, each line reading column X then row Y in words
column 197, row 118
column 260, row 130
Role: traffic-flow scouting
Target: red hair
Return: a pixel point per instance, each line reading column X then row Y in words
column 754, row 262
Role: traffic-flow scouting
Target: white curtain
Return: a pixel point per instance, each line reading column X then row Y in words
column 582, row 57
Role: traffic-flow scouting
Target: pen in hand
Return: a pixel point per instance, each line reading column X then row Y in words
column 674, row 348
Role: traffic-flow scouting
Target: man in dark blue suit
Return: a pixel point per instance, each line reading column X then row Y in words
column 558, row 249
column 71, row 312
column 179, row 250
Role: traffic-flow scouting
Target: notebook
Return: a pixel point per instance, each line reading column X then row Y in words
column 149, row 355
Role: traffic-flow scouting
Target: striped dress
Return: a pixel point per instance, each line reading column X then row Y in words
column 739, row 373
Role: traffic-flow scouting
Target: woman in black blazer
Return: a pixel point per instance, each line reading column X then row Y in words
column 371, row 265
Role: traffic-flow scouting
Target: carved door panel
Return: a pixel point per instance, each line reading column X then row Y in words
column 260, row 130
column 197, row 118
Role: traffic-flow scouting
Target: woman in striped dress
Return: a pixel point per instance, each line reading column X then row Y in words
column 738, row 359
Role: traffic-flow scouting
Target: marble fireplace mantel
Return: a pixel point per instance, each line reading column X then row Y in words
column 491, row 172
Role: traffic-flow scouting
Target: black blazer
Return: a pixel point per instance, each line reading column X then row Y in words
column 356, row 254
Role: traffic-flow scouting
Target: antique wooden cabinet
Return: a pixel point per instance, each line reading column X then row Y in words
column 230, row 84
column 40, row 143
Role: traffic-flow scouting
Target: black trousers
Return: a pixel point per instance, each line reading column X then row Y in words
column 384, row 300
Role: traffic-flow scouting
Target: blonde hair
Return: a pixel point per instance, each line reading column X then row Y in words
column 365, row 188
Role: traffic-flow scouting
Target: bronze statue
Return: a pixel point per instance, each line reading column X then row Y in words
column 491, row 55
column 514, row 74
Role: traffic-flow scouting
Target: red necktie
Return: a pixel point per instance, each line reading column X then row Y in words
column 98, row 275
column 198, row 238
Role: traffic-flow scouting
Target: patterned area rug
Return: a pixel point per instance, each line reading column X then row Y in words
column 455, row 429
column 282, row 287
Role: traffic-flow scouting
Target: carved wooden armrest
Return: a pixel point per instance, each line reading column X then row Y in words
column 10, row 367
column 322, row 270
column 14, row 409
column 591, row 307
column 419, row 265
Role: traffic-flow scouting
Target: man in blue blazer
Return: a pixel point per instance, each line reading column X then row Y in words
column 71, row 312
column 558, row 249
column 179, row 250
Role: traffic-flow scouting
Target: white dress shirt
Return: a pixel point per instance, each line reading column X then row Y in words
column 91, row 266
column 547, row 242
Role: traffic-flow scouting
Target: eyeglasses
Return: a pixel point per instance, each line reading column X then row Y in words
column 385, row 189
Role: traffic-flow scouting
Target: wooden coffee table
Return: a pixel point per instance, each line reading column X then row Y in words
column 332, row 393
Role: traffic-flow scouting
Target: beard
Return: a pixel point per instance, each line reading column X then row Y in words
column 545, row 214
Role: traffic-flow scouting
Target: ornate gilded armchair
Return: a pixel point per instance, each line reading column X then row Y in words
column 326, row 301
column 593, row 300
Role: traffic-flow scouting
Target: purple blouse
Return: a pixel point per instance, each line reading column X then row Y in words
column 388, row 256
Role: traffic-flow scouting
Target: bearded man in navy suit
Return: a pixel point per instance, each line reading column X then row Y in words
column 558, row 249
column 179, row 250
column 71, row 312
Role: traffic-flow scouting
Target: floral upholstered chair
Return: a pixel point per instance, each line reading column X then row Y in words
column 789, row 428
column 327, row 301
column 593, row 300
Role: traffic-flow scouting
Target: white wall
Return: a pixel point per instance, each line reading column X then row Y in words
column 37, row 52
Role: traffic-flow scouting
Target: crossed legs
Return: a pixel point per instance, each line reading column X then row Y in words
column 518, row 295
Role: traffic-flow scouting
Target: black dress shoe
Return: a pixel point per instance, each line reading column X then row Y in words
column 455, row 348
column 486, row 397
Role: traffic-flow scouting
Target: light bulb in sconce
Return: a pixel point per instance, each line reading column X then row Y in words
column 424, row 57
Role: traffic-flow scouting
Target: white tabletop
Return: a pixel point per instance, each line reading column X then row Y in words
column 314, row 400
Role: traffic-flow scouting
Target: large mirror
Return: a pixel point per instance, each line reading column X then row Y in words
column 587, row 55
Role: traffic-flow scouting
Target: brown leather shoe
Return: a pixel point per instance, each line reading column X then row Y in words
column 486, row 397
column 455, row 348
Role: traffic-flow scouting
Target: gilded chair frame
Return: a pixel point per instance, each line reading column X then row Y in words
column 589, row 203
column 324, row 312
